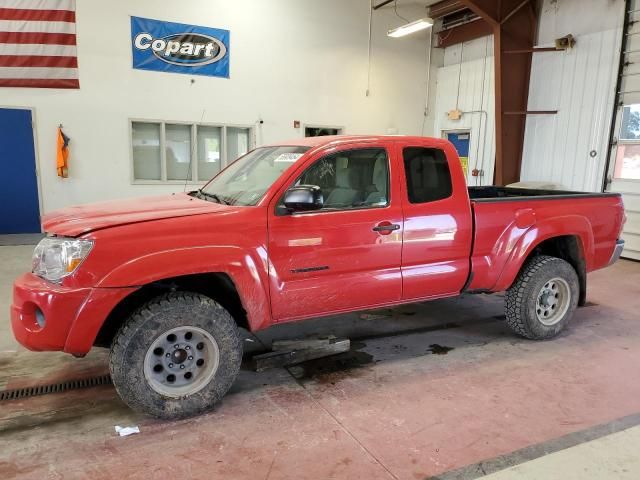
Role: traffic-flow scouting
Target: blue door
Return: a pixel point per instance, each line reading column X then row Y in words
column 19, row 205
column 460, row 140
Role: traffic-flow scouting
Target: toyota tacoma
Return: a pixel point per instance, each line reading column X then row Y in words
column 297, row 230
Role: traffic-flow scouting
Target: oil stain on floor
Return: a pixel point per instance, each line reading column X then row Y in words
column 329, row 369
column 439, row 349
column 324, row 369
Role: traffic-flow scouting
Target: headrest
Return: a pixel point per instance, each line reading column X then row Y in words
column 346, row 177
column 380, row 174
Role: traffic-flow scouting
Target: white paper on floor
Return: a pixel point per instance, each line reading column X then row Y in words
column 124, row 431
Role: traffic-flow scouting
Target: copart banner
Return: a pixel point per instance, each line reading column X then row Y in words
column 179, row 48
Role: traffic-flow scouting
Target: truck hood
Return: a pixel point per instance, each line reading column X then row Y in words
column 81, row 219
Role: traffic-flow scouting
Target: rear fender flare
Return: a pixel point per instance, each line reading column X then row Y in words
column 569, row 225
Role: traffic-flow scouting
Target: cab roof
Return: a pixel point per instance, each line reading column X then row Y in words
column 341, row 139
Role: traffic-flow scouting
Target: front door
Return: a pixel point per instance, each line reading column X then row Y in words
column 346, row 255
column 19, row 204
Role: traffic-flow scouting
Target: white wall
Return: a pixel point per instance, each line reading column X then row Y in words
column 469, row 87
column 476, row 49
column 580, row 84
column 290, row 60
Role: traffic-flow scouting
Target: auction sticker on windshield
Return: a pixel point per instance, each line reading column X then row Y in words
column 179, row 48
column 287, row 157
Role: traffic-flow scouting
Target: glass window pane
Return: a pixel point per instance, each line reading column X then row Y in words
column 630, row 128
column 208, row 152
column 427, row 172
column 237, row 143
column 246, row 181
column 627, row 161
column 351, row 179
column 145, row 140
column 177, row 140
column 320, row 131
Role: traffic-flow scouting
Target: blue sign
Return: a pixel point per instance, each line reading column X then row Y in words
column 179, row 48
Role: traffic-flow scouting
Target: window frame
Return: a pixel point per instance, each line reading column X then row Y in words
column 280, row 210
column 304, row 126
column 629, row 141
column 224, row 161
column 407, row 174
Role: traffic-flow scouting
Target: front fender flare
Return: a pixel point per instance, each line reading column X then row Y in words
column 247, row 270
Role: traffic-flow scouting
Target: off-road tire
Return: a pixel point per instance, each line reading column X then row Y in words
column 522, row 298
column 143, row 327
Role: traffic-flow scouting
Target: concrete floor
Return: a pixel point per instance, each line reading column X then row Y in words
column 391, row 408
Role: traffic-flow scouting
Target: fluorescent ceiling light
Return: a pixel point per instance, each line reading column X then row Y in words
column 410, row 28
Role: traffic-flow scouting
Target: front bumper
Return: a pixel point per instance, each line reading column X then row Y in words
column 46, row 316
column 617, row 251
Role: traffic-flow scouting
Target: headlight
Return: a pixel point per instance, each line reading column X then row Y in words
column 56, row 257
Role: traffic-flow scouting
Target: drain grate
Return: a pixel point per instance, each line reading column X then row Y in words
column 54, row 387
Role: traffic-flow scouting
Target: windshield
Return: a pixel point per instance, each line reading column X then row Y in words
column 246, row 180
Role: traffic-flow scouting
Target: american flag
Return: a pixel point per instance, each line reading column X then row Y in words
column 38, row 44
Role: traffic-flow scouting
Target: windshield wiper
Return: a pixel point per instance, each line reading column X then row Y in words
column 215, row 197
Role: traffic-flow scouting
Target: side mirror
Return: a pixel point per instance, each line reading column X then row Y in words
column 303, row 198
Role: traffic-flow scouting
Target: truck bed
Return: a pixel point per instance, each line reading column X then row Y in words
column 493, row 193
column 509, row 221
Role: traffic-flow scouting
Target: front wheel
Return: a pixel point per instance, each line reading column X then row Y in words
column 542, row 300
column 176, row 356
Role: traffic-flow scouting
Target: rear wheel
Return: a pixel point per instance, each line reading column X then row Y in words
column 543, row 298
column 177, row 356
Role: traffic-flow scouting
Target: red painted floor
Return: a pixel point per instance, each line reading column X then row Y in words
column 404, row 413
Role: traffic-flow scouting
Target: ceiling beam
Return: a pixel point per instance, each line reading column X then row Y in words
column 513, row 24
column 463, row 33
column 488, row 10
column 445, row 7
column 514, row 11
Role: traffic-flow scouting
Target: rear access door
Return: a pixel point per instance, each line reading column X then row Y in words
column 437, row 221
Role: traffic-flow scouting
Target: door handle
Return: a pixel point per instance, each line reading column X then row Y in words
column 386, row 228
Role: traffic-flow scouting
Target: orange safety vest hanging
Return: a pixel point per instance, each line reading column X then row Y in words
column 62, row 154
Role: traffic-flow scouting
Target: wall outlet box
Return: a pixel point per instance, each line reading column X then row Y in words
column 566, row 42
column 454, row 114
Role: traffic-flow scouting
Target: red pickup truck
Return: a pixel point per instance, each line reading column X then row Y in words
column 296, row 230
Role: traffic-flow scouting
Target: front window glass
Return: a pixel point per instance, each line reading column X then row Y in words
column 351, row 179
column 246, row 180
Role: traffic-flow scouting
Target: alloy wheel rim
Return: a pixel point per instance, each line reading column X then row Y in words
column 553, row 301
column 181, row 361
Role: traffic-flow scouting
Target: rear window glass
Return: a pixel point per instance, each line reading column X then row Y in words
column 428, row 176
